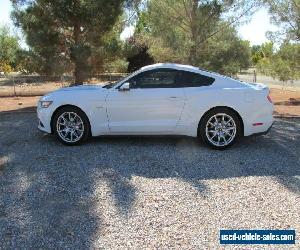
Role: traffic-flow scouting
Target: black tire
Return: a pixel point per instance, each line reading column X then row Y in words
column 204, row 136
column 85, row 127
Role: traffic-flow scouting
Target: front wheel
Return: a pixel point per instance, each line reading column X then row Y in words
column 220, row 128
column 71, row 126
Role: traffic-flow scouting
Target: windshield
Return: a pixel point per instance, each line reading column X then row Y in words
column 110, row 85
column 113, row 84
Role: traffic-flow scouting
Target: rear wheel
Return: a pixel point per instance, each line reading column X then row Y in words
column 220, row 128
column 71, row 126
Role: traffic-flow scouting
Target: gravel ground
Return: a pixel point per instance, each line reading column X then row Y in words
column 143, row 192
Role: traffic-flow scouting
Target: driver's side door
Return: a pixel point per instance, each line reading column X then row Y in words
column 152, row 105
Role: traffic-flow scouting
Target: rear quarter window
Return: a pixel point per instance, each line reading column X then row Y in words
column 190, row 79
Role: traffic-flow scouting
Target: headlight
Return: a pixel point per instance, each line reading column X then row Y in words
column 45, row 104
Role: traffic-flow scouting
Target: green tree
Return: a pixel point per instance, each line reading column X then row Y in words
column 281, row 70
column 263, row 51
column 227, row 54
column 256, row 54
column 64, row 34
column 286, row 14
column 267, row 49
column 195, row 32
column 28, row 62
column 137, row 53
column 9, row 47
column 108, row 54
column 284, row 64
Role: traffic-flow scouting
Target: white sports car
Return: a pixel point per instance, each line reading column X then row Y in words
column 160, row 99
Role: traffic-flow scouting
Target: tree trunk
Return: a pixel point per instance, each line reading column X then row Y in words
column 194, row 37
column 79, row 59
column 79, row 74
column 192, row 55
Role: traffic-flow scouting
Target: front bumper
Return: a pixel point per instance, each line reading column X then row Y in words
column 42, row 128
column 44, row 116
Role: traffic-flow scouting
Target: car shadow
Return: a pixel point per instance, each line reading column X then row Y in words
column 61, row 194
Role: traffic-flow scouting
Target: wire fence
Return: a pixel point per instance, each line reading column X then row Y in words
column 32, row 85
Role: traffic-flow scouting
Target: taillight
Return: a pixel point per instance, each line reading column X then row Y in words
column 269, row 98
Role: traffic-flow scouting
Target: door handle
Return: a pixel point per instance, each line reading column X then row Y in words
column 173, row 97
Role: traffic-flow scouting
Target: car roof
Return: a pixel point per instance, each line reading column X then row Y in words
column 171, row 66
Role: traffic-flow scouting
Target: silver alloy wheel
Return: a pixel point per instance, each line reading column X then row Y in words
column 69, row 127
column 220, row 129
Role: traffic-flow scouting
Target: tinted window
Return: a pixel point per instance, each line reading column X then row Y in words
column 190, row 79
column 161, row 78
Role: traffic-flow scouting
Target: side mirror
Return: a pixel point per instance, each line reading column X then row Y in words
column 125, row 87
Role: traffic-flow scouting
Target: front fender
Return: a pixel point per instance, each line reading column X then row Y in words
column 91, row 104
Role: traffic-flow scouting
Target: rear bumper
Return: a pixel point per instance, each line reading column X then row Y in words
column 264, row 132
column 260, row 120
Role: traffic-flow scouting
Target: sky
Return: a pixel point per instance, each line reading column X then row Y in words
column 5, row 9
column 254, row 31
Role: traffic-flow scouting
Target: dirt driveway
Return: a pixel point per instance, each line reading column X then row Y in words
column 143, row 192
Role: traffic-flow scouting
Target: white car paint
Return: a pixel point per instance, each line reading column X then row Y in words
column 159, row 111
column 145, row 110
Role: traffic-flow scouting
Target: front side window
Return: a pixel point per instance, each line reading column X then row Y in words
column 160, row 78
column 169, row 78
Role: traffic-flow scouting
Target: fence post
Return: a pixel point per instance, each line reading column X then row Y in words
column 254, row 76
column 14, row 84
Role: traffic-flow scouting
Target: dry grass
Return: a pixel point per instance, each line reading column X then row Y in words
column 19, row 104
column 287, row 103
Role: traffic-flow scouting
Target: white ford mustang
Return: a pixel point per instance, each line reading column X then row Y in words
column 160, row 99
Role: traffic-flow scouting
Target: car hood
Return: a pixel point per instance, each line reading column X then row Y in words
column 81, row 88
